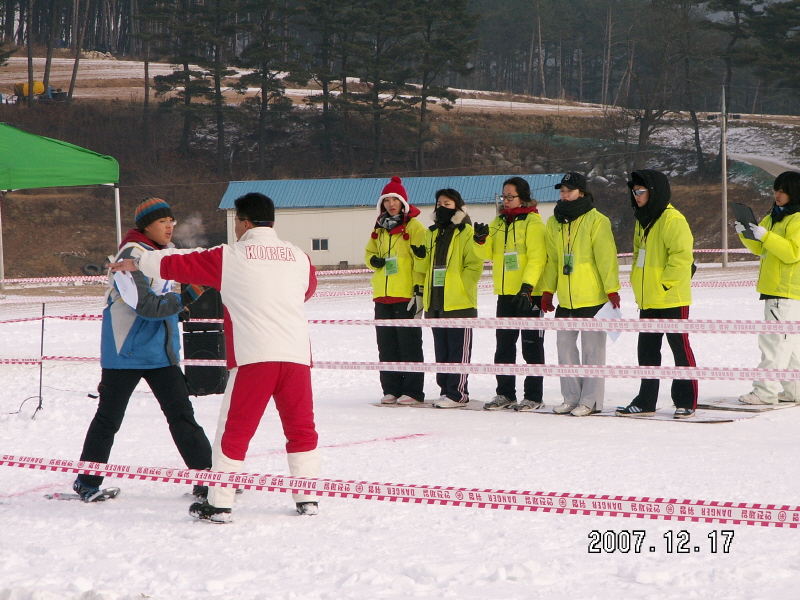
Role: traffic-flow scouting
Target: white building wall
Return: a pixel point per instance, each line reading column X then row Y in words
column 347, row 229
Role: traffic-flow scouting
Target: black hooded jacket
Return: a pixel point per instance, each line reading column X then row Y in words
column 657, row 185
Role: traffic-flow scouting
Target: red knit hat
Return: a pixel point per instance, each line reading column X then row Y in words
column 394, row 189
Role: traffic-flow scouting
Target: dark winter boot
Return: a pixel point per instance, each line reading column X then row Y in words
column 88, row 493
column 206, row 512
column 200, row 492
column 308, row 508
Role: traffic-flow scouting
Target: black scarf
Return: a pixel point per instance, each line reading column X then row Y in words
column 566, row 211
column 389, row 222
column 779, row 212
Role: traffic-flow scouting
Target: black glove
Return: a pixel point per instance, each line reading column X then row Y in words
column 184, row 315
column 524, row 298
column 419, row 251
column 377, row 261
column 481, row 232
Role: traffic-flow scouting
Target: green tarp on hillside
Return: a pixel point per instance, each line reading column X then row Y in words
column 30, row 161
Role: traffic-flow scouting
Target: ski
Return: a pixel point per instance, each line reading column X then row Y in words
column 106, row 494
column 667, row 414
column 734, row 404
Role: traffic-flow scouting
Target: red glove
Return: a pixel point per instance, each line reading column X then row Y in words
column 547, row 302
column 613, row 297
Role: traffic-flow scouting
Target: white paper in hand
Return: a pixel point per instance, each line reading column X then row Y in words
column 609, row 312
column 127, row 288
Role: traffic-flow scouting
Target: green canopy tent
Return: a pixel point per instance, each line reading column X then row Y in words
column 30, row 161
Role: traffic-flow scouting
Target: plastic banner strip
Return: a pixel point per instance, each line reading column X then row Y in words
column 698, row 511
column 595, row 371
column 544, row 323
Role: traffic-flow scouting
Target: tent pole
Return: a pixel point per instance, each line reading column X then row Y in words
column 2, row 264
column 117, row 215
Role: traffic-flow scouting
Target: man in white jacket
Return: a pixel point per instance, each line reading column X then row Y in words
column 263, row 282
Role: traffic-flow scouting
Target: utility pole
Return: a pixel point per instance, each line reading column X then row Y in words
column 724, row 157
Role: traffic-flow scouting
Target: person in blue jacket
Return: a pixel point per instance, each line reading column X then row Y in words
column 141, row 340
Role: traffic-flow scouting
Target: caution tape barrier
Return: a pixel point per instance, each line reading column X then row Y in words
column 327, row 272
column 543, row 323
column 668, row 509
column 594, row 371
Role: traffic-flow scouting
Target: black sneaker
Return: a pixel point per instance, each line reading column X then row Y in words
column 308, row 508
column 205, row 512
column 683, row 413
column 200, row 492
column 88, row 493
column 633, row 411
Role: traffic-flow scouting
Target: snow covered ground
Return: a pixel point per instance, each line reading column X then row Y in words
column 144, row 545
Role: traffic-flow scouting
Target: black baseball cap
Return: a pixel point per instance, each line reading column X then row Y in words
column 572, row 181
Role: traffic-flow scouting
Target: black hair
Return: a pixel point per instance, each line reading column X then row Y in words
column 256, row 208
column 452, row 194
column 523, row 190
column 789, row 183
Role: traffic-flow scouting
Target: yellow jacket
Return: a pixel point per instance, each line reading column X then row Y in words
column 595, row 272
column 779, row 273
column 525, row 236
column 387, row 245
column 667, row 262
column 464, row 268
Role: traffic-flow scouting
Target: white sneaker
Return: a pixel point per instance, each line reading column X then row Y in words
column 529, row 405
column 388, row 399
column 564, row 408
column 784, row 397
column 405, row 400
column 752, row 398
column 445, row 402
column 583, row 411
column 499, row 402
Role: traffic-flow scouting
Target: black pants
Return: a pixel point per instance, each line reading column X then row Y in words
column 169, row 388
column 684, row 391
column 506, row 350
column 399, row 344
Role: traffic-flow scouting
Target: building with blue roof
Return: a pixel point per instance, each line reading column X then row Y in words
column 331, row 219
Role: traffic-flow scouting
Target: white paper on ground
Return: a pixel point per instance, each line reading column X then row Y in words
column 609, row 312
column 127, row 288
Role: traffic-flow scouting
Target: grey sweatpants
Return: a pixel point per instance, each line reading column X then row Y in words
column 589, row 391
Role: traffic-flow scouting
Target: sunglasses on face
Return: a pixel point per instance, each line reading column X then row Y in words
column 638, row 193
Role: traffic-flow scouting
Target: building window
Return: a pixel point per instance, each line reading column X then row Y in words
column 319, row 244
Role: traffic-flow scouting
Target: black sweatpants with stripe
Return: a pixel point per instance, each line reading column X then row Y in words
column 684, row 391
column 452, row 345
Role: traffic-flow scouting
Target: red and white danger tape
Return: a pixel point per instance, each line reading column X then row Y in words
column 653, row 325
column 596, row 371
column 698, row 511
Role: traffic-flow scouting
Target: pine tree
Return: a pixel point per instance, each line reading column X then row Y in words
column 445, row 31
column 267, row 58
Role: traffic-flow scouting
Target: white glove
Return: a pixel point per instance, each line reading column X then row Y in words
column 415, row 303
column 739, row 227
column 758, row 231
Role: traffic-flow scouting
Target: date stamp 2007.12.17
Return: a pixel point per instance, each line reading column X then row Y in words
column 672, row 542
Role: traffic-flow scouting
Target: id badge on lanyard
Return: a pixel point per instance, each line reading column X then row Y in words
column 569, row 263
column 391, row 266
column 438, row 277
column 640, row 258
column 511, row 260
